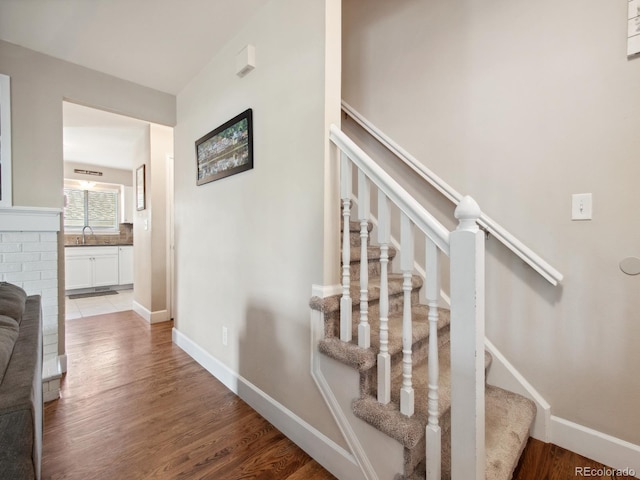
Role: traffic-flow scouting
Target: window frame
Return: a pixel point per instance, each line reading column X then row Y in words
column 115, row 189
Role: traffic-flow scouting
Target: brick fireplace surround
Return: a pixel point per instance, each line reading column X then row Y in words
column 29, row 249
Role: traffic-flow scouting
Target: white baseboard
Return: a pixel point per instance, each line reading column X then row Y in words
column 610, row 451
column 324, row 450
column 504, row 375
column 63, row 362
column 151, row 317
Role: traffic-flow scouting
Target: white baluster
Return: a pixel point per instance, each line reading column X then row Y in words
column 406, row 262
column 467, row 345
column 364, row 329
column 345, row 301
column 384, row 359
column 433, row 435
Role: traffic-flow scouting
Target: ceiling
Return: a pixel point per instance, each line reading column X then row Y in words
column 160, row 44
column 100, row 138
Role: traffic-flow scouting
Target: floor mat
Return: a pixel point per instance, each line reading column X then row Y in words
column 92, row 294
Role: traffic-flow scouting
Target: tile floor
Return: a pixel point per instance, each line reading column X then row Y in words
column 86, row 307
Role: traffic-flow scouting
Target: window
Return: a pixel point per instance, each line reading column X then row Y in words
column 97, row 209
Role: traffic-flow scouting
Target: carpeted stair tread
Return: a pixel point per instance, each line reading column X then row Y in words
column 332, row 303
column 388, row 419
column 373, row 262
column 354, row 226
column 508, row 419
column 365, row 358
column 395, row 287
column 373, row 254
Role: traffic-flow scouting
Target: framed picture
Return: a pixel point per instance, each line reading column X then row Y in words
column 227, row 150
column 140, row 188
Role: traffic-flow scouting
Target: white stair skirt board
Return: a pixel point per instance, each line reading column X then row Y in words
column 504, row 375
column 598, row 446
column 325, row 451
column 341, row 411
column 151, row 317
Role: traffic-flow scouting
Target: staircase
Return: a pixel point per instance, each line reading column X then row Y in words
column 508, row 416
column 421, row 367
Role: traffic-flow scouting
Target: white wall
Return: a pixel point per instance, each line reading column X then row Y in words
column 109, row 175
column 249, row 247
column 522, row 104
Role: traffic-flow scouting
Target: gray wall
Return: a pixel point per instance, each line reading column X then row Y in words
column 522, row 104
column 249, row 246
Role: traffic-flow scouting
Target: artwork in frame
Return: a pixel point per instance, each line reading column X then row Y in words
column 140, row 188
column 227, row 150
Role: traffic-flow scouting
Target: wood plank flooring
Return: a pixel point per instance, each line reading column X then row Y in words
column 546, row 461
column 135, row 406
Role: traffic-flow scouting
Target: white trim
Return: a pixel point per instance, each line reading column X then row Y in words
column 324, row 450
column 504, row 375
column 62, row 360
column 422, row 219
column 324, row 291
column 552, row 275
column 5, row 140
column 610, row 451
column 30, row 219
column 152, row 317
column 366, row 469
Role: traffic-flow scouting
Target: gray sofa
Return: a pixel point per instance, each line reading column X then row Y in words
column 20, row 384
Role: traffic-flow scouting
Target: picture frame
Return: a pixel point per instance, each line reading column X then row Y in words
column 226, row 150
column 140, row 188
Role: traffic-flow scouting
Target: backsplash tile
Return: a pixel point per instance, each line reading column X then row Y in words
column 124, row 238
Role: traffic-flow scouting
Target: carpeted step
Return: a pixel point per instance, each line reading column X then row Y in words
column 354, row 232
column 388, row 419
column 365, row 358
column 330, row 306
column 508, row 419
column 373, row 260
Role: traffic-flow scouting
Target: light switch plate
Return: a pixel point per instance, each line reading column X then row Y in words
column 581, row 206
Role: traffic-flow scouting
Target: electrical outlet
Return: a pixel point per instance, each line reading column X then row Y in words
column 225, row 336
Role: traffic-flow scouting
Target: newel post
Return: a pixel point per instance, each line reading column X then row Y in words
column 467, row 345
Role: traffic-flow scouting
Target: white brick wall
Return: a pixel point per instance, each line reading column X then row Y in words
column 30, row 260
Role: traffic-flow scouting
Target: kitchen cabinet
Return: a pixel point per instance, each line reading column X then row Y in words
column 125, row 264
column 87, row 267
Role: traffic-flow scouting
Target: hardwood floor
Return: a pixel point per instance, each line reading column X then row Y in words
column 135, row 406
column 546, row 461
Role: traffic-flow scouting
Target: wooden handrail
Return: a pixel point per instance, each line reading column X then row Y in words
column 552, row 275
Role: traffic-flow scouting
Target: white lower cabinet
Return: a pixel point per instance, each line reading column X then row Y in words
column 87, row 267
column 125, row 258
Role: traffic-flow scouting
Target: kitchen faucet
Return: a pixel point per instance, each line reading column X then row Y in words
column 85, row 227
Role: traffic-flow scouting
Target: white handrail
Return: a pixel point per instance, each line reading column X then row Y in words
column 552, row 275
column 418, row 215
